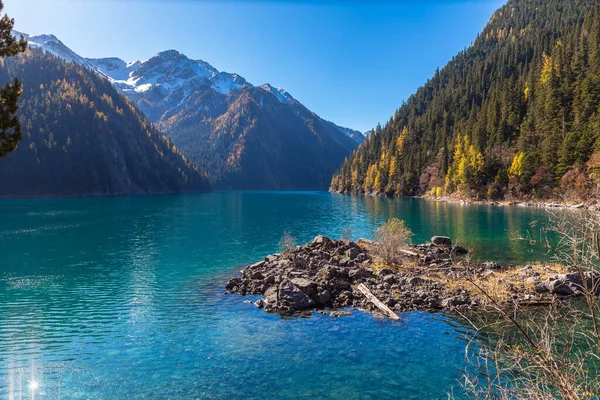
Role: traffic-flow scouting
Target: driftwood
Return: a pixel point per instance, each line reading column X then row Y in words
column 408, row 253
column 385, row 309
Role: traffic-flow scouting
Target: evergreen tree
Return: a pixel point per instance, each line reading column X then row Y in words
column 10, row 129
column 514, row 113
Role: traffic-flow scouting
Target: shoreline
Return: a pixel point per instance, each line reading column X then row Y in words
column 548, row 204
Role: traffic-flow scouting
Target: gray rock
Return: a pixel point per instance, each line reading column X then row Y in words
column 459, row 250
column 258, row 265
column 306, row 285
column 362, row 257
column 292, row 298
column 455, row 301
column 492, row 265
column 320, row 241
column 573, row 284
column 352, row 253
column 337, row 314
column 271, row 295
column 416, row 281
column 442, row 241
column 360, row 273
column 233, row 284
column 322, row 298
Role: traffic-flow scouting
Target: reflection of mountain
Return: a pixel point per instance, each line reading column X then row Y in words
column 244, row 136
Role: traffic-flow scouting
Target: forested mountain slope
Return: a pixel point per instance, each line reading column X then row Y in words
column 517, row 114
column 82, row 138
column 244, row 136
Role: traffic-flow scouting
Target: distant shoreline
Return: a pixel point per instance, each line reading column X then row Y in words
column 549, row 204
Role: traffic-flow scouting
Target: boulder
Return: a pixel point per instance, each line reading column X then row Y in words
column 320, row 241
column 233, row 284
column 322, row 298
column 362, row 257
column 459, row 250
column 441, row 241
column 352, row 253
column 291, row 298
column 573, row 284
column 306, row 285
column 258, row 265
column 360, row 273
column 271, row 295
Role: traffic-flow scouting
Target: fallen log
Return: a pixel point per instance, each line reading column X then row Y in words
column 408, row 253
column 371, row 297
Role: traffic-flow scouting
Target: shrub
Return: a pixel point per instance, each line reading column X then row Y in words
column 390, row 238
column 287, row 242
column 347, row 234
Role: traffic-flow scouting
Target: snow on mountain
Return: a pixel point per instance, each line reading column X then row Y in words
column 280, row 94
column 115, row 68
column 354, row 134
column 51, row 44
column 207, row 67
column 168, row 80
column 225, row 82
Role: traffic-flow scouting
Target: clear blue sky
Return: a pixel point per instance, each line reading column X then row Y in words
column 352, row 62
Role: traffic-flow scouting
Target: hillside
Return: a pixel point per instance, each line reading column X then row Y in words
column 257, row 140
column 244, row 136
column 82, row 138
column 515, row 115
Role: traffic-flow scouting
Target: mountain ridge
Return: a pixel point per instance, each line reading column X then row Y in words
column 198, row 107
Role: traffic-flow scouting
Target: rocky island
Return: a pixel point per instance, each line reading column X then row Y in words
column 326, row 274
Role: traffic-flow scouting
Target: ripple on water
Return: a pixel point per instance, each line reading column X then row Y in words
column 122, row 298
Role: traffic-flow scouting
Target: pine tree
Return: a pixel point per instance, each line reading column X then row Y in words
column 525, row 98
column 10, row 128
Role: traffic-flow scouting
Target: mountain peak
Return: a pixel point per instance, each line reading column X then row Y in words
column 281, row 95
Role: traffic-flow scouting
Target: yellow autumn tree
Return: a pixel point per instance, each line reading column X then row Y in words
column 546, row 69
column 516, row 168
column 401, row 139
column 467, row 167
column 370, row 178
column 393, row 168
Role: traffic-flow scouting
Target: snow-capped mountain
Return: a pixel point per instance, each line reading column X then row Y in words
column 244, row 136
column 169, row 74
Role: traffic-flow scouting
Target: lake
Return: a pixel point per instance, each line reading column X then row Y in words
column 110, row 298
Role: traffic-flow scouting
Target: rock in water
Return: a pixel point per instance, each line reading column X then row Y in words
column 442, row 241
column 292, row 298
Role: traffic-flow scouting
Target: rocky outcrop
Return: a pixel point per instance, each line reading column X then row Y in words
column 324, row 274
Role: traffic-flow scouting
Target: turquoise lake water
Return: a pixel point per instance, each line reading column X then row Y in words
column 123, row 298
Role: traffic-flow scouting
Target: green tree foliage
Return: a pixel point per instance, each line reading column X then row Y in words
column 83, row 138
column 513, row 113
column 10, row 129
